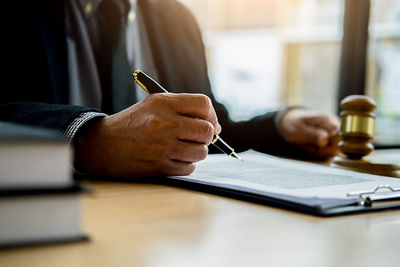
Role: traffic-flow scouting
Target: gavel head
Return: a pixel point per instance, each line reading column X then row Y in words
column 357, row 126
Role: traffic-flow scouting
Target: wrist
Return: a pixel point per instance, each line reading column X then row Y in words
column 85, row 142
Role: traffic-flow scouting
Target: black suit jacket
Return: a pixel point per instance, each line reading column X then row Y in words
column 34, row 78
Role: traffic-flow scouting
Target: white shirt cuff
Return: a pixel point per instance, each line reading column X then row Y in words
column 73, row 128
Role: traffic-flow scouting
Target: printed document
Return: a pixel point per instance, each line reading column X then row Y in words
column 291, row 180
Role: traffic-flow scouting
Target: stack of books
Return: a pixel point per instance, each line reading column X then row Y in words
column 39, row 201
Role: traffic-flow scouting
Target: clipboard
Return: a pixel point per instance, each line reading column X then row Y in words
column 381, row 197
column 371, row 202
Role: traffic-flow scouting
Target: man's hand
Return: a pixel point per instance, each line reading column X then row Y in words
column 165, row 134
column 315, row 133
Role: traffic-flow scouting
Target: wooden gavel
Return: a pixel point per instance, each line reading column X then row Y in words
column 357, row 131
column 357, row 126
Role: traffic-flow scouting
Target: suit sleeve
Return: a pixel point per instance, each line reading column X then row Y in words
column 29, row 86
column 54, row 116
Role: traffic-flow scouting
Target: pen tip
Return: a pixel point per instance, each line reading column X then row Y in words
column 233, row 154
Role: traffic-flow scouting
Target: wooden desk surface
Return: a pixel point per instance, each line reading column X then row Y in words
column 154, row 225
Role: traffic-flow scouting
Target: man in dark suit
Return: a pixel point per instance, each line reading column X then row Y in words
column 65, row 65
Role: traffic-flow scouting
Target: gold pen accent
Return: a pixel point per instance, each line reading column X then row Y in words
column 224, row 147
column 135, row 74
column 151, row 86
column 215, row 139
column 233, row 154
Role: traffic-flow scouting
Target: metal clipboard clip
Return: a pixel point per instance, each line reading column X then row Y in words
column 367, row 198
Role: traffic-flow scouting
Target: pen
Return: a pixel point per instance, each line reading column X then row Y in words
column 152, row 87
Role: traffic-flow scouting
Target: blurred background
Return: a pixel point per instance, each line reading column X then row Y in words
column 265, row 54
